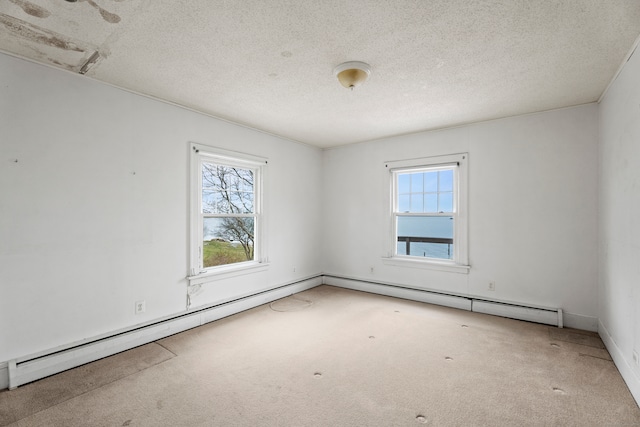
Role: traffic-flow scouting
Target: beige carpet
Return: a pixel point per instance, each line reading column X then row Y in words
column 335, row 357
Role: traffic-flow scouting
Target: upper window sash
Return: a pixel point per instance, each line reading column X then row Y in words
column 250, row 210
column 424, row 195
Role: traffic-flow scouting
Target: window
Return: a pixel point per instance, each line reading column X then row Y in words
column 428, row 214
column 226, row 206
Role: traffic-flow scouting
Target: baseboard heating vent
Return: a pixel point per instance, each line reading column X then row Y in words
column 547, row 316
column 390, row 290
column 544, row 315
column 31, row 368
column 25, row 371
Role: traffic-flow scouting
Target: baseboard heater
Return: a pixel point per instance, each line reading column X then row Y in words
column 544, row 315
column 31, row 368
column 548, row 316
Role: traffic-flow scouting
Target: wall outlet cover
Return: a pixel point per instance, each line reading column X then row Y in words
column 140, row 307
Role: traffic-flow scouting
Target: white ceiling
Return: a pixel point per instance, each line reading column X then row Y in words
column 269, row 64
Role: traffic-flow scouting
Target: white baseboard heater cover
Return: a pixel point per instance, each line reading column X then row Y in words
column 548, row 316
column 400, row 292
column 28, row 369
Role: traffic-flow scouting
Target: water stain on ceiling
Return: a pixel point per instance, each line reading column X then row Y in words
column 43, row 44
column 31, row 8
column 73, row 35
column 106, row 15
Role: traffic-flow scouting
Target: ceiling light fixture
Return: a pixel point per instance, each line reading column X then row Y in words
column 351, row 74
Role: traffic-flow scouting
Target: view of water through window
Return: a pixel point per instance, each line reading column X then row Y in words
column 430, row 192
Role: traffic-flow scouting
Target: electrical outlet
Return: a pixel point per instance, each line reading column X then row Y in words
column 371, row 270
column 492, row 286
column 294, row 269
column 141, row 306
column 636, row 360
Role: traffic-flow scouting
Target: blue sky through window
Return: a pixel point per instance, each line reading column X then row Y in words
column 426, row 191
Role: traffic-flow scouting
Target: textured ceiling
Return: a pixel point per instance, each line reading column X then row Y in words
column 268, row 64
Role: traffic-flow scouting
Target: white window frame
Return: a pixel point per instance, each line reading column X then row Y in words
column 460, row 261
column 200, row 154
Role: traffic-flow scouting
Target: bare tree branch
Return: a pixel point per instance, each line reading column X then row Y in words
column 230, row 190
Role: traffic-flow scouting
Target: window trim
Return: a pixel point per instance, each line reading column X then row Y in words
column 460, row 263
column 200, row 153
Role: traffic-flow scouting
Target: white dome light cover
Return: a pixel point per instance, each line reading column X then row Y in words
column 353, row 73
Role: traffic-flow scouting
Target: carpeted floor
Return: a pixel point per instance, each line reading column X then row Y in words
column 335, row 357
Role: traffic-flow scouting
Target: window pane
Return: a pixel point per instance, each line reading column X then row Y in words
column 404, row 203
column 426, row 250
column 211, row 202
column 445, row 202
column 416, row 202
column 404, row 183
column 227, row 240
column 431, row 202
column 426, row 226
column 416, row 182
column 227, row 189
column 425, row 236
column 431, row 250
column 431, row 182
column 445, row 182
column 240, row 202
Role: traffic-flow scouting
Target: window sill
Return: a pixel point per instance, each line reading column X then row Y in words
column 428, row 265
column 227, row 272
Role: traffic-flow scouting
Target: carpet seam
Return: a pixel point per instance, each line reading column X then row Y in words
column 170, row 351
column 96, row 388
column 595, row 357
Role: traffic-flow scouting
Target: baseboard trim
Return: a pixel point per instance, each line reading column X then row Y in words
column 399, row 292
column 28, row 369
column 537, row 315
column 545, row 315
column 4, row 375
column 630, row 377
column 578, row 321
column 31, row 368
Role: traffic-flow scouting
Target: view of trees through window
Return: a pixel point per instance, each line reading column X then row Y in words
column 228, row 214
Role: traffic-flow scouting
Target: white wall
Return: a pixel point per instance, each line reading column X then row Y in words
column 82, row 237
column 619, row 296
column 532, row 209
